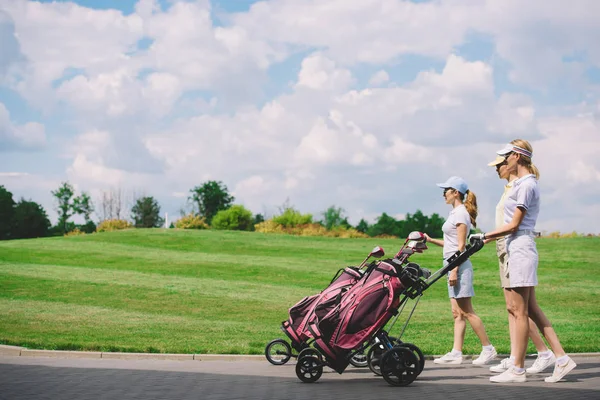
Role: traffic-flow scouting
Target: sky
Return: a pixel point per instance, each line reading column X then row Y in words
column 358, row 104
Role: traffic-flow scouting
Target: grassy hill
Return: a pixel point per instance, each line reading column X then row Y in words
column 176, row 291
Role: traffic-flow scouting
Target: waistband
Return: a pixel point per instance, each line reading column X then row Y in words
column 528, row 232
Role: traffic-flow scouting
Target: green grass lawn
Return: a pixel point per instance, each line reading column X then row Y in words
column 173, row 291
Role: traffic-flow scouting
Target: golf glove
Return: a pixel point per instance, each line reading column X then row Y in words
column 476, row 236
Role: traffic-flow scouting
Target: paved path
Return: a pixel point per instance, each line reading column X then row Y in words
column 61, row 378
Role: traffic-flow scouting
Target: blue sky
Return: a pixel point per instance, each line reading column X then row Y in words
column 314, row 103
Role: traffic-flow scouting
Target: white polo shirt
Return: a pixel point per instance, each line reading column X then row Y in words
column 525, row 194
column 458, row 215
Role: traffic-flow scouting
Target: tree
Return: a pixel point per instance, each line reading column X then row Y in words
column 111, row 204
column 7, row 213
column 236, row 218
column 334, row 217
column 84, row 206
column 258, row 218
column 211, row 197
column 64, row 197
column 31, row 220
column 362, row 226
column 385, row 225
column 146, row 213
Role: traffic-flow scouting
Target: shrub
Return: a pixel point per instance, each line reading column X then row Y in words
column 268, row 226
column 113, row 225
column 347, row 233
column 75, row 232
column 236, row 218
column 191, row 221
column 311, row 230
column 291, row 217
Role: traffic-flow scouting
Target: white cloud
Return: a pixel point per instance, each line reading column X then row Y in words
column 29, row 136
column 379, row 78
column 320, row 73
column 199, row 100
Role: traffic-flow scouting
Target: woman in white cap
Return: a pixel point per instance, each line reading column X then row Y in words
column 521, row 209
column 460, row 279
column 545, row 356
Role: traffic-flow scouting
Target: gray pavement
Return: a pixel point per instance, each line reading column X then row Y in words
column 38, row 377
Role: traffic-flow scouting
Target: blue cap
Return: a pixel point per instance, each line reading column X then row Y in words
column 455, row 182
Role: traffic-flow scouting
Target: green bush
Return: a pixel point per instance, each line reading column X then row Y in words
column 235, row 218
column 291, row 218
column 113, row 225
column 191, row 221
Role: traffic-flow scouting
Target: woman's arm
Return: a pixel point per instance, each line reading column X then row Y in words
column 461, row 231
column 509, row 228
column 437, row 242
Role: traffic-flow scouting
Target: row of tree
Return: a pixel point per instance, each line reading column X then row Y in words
column 21, row 220
column 27, row 219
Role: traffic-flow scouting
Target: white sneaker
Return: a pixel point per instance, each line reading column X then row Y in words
column 541, row 364
column 503, row 366
column 485, row 357
column 449, row 359
column 509, row 376
column 560, row 371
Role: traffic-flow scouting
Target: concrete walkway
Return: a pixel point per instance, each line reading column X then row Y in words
column 72, row 375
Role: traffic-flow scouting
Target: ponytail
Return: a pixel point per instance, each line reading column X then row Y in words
column 471, row 205
column 534, row 170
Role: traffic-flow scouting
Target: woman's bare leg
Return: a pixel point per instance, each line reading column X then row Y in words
column 511, row 325
column 518, row 305
column 468, row 313
column 544, row 325
column 534, row 334
column 459, row 325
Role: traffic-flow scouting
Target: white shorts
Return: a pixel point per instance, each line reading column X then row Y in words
column 522, row 259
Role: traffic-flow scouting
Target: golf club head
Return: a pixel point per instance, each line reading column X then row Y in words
column 377, row 252
column 417, row 247
column 416, row 236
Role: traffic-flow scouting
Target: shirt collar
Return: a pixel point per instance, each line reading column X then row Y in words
column 523, row 178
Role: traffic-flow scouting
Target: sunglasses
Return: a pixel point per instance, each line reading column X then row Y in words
column 446, row 189
column 504, row 162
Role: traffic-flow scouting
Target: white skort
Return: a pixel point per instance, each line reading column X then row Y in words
column 464, row 286
column 522, row 259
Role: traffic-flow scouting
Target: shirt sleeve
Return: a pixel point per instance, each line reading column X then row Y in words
column 462, row 217
column 526, row 194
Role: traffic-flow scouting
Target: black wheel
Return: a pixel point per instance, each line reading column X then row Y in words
column 374, row 358
column 359, row 360
column 278, row 352
column 375, row 353
column 309, row 351
column 417, row 352
column 399, row 366
column 309, row 369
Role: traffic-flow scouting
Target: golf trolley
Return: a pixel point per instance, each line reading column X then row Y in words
column 358, row 320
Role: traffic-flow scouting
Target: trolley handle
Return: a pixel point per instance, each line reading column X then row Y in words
column 455, row 260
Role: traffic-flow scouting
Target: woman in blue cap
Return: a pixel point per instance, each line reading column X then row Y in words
column 460, row 279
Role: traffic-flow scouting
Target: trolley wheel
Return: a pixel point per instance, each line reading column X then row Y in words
column 399, row 366
column 359, row 360
column 417, row 352
column 375, row 353
column 278, row 352
column 374, row 358
column 309, row 351
column 309, row 368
